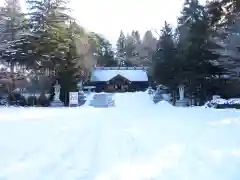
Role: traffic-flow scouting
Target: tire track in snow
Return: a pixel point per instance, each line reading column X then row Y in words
column 66, row 154
column 116, row 146
column 75, row 161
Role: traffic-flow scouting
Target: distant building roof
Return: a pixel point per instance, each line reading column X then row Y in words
column 130, row 73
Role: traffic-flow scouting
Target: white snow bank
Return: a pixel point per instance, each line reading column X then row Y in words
column 131, row 100
column 164, row 104
column 162, row 143
column 221, row 101
column 234, row 101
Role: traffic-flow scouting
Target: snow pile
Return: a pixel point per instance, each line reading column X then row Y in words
column 136, row 99
column 234, row 101
column 156, row 142
column 220, row 101
column 164, row 104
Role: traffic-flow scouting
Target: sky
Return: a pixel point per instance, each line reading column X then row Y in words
column 109, row 17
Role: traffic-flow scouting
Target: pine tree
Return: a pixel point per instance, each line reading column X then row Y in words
column 105, row 53
column 137, row 37
column 47, row 22
column 67, row 75
column 11, row 53
column 87, row 45
column 167, row 69
column 228, row 38
column 195, row 48
column 133, row 47
column 215, row 13
column 130, row 48
column 232, row 9
column 149, row 44
column 121, row 54
column 166, row 42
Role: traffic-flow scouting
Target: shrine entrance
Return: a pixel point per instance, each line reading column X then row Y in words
column 119, row 79
column 119, row 83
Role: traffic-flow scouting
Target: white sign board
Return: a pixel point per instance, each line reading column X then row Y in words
column 73, row 98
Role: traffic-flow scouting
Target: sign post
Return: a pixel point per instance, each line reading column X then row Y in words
column 73, row 98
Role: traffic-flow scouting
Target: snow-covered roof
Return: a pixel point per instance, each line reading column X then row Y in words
column 132, row 74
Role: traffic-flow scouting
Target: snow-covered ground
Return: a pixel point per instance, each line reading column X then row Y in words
column 136, row 140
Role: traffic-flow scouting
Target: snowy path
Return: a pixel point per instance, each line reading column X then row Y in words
column 159, row 142
column 60, row 148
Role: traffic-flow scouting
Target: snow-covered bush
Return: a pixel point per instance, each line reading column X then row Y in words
column 223, row 103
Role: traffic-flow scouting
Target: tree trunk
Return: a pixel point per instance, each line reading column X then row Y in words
column 174, row 97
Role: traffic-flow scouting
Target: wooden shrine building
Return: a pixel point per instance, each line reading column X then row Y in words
column 119, row 79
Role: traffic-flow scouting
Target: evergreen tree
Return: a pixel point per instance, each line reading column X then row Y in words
column 121, row 54
column 11, row 53
column 195, row 48
column 214, row 12
column 149, row 44
column 105, row 53
column 228, row 38
column 47, row 23
column 166, row 42
column 67, row 75
column 87, row 45
column 137, row 37
column 130, row 48
column 232, row 9
column 191, row 12
column 167, row 68
column 67, row 78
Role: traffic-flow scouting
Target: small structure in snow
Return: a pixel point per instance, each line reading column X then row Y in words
column 119, row 79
